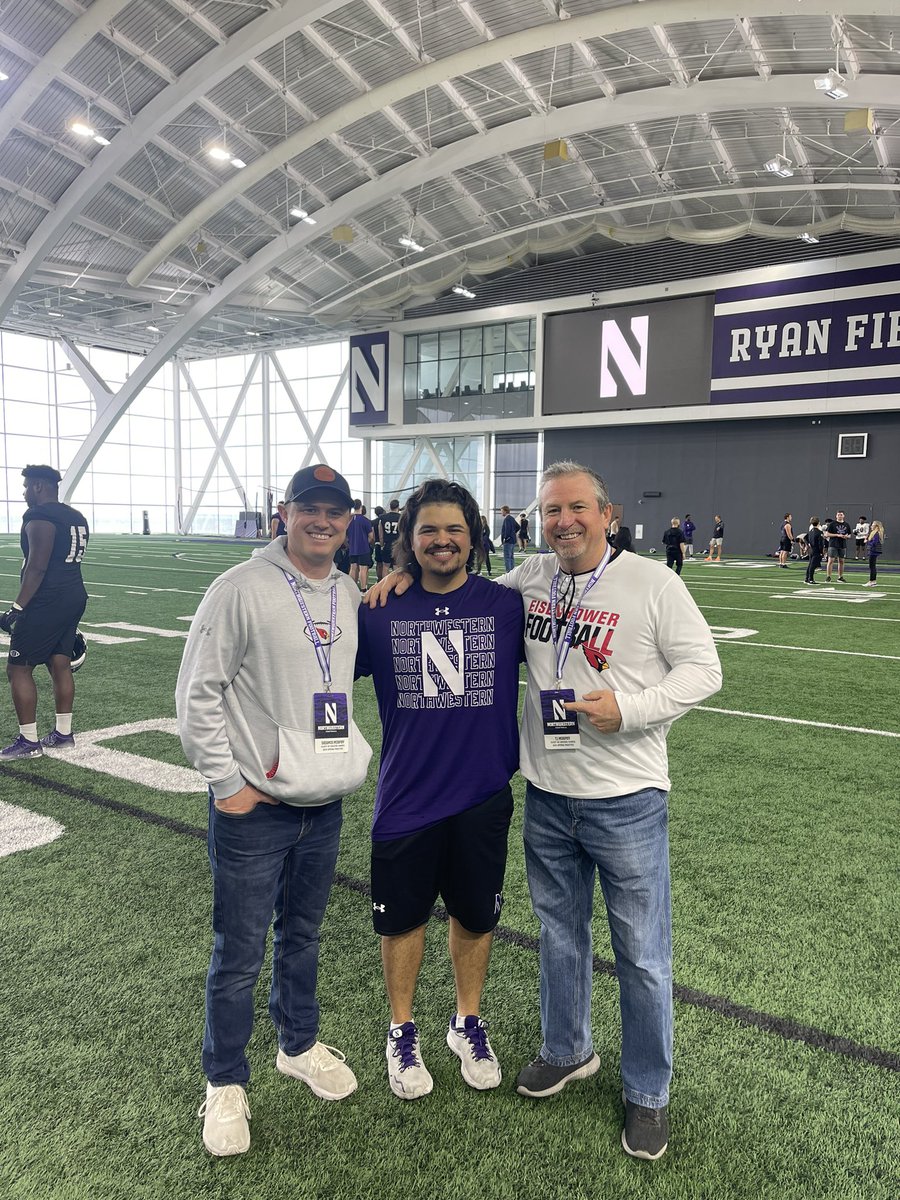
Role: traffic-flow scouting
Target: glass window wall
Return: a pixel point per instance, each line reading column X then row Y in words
column 487, row 371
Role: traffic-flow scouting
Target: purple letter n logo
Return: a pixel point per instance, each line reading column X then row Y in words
column 369, row 379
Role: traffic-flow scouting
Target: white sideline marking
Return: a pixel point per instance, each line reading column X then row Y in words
column 109, row 583
column 807, row 649
column 21, row 829
column 734, row 712
column 830, row 593
column 136, row 768
column 135, row 593
column 169, row 633
column 795, row 612
column 101, row 639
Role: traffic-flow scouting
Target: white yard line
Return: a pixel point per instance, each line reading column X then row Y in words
column 734, row 712
column 839, row 615
column 805, row 649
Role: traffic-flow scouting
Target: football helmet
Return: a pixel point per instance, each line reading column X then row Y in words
column 79, row 651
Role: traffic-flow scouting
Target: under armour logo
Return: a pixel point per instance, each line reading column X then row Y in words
column 378, row 908
column 442, row 612
column 498, row 902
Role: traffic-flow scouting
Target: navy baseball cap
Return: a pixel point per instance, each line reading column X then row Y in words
column 316, row 479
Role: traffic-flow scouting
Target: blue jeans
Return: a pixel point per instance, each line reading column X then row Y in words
column 281, row 859
column 509, row 550
column 625, row 841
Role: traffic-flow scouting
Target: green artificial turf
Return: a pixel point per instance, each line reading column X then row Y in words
column 784, row 864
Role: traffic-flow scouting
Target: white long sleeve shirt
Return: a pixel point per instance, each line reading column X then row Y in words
column 638, row 633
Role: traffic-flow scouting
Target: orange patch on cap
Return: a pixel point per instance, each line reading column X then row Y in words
column 324, row 474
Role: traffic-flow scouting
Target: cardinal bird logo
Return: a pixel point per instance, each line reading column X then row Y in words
column 594, row 657
column 322, row 631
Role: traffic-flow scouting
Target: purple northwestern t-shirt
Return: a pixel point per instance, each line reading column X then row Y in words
column 358, row 534
column 446, row 674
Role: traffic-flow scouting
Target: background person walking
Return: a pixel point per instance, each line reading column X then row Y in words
column 716, row 541
column 816, row 541
column 874, row 547
column 673, row 540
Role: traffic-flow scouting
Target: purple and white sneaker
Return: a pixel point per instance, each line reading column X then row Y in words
column 22, row 748
column 58, row 741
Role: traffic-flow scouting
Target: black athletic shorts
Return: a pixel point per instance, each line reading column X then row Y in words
column 46, row 627
column 361, row 560
column 378, row 553
column 785, row 543
column 461, row 859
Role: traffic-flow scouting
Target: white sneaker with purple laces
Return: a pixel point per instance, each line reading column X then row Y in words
column 467, row 1038
column 408, row 1076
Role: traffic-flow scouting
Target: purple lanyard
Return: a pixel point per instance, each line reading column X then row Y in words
column 322, row 654
column 562, row 646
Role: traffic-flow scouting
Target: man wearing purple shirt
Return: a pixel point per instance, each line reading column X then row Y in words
column 444, row 659
column 360, row 536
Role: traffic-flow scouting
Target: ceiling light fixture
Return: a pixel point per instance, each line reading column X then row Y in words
column 459, row 290
column 153, row 329
column 101, row 140
column 52, row 312
column 219, row 153
column 303, row 215
column 808, row 237
column 3, row 77
column 833, row 84
column 410, row 244
column 237, row 162
column 81, row 127
column 780, row 165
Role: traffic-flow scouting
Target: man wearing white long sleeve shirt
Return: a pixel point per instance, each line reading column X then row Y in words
column 616, row 651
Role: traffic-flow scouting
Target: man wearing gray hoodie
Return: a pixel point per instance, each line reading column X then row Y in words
column 265, row 713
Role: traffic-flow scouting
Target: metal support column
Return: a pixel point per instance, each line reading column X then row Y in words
column 176, row 445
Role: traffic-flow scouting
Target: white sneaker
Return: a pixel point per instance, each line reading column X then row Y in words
column 407, row 1074
column 871, row 583
column 468, row 1040
column 226, row 1114
column 322, row 1067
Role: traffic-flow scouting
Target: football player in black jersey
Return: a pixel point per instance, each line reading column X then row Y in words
column 389, row 524
column 43, row 619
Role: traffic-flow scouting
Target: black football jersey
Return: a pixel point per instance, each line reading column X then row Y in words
column 70, row 541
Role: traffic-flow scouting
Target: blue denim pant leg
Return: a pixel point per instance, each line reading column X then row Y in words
column 626, row 837
column 299, row 913
column 561, row 883
column 509, row 550
column 276, row 857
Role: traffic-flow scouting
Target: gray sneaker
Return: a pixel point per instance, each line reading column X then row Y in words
column 407, row 1074
column 541, row 1078
column 646, row 1131
column 323, row 1068
column 468, row 1040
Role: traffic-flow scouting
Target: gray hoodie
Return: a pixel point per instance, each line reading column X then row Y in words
column 244, row 695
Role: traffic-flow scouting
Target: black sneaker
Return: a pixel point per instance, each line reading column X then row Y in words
column 541, row 1078
column 646, row 1131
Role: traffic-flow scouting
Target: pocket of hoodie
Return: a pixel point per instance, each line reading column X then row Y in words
column 300, row 771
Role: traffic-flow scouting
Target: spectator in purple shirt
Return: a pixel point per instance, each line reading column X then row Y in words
column 360, row 535
column 444, row 659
